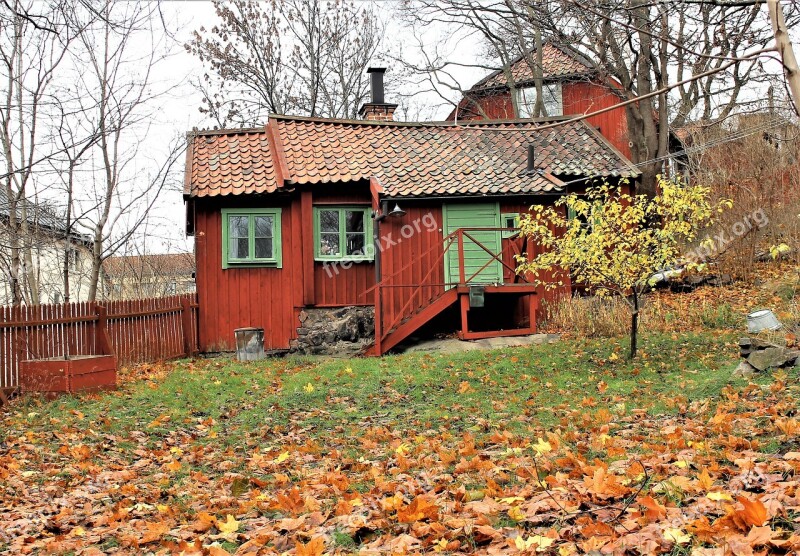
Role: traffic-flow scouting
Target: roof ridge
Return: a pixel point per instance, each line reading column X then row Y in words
column 225, row 131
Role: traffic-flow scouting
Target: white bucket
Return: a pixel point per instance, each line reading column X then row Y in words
column 762, row 320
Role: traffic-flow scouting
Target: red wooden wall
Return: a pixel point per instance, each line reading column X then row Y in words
column 579, row 97
column 272, row 298
column 240, row 297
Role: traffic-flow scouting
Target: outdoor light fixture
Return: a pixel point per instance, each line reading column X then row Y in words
column 397, row 211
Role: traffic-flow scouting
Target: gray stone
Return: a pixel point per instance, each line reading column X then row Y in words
column 772, row 357
column 744, row 370
column 341, row 331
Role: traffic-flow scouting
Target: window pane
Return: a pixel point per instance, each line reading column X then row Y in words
column 263, row 226
column 237, row 226
column 263, row 248
column 355, row 244
column 238, row 247
column 329, row 220
column 354, row 220
column 551, row 95
column 329, row 244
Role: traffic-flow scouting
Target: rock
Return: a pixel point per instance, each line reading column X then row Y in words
column 340, row 331
column 772, row 357
column 744, row 370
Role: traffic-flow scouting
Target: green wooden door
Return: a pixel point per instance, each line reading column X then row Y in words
column 483, row 215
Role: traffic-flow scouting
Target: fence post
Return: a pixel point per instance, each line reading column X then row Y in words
column 101, row 333
column 186, row 322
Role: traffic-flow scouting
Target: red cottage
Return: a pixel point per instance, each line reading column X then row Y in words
column 350, row 236
column 570, row 87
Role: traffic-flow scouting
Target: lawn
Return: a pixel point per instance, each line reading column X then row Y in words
column 562, row 448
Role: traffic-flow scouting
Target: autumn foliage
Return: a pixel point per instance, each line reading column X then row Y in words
column 715, row 475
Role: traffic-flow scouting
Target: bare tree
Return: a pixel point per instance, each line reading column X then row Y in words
column 703, row 50
column 303, row 57
column 30, row 54
column 118, row 101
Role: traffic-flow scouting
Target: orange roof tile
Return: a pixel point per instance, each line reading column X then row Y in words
column 230, row 163
column 409, row 160
column 555, row 63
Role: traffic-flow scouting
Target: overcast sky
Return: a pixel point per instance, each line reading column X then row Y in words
column 179, row 112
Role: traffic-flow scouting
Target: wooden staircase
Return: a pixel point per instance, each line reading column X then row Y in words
column 401, row 309
column 410, row 324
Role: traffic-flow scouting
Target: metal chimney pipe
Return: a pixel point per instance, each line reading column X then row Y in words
column 531, row 158
column 376, row 84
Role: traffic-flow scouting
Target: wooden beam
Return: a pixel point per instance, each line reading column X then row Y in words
column 464, row 315
column 307, row 246
column 497, row 333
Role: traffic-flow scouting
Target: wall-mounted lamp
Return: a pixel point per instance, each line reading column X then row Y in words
column 396, row 212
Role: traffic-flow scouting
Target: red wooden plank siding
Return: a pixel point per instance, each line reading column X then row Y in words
column 579, row 97
column 240, row 297
column 583, row 97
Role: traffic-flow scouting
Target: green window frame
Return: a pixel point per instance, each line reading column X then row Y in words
column 509, row 221
column 251, row 237
column 339, row 231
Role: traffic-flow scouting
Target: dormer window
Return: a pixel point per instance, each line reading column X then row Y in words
column 551, row 97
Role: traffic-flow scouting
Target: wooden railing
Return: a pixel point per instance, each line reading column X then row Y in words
column 140, row 330
column 407, row 299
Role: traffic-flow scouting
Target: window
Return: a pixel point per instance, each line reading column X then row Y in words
column 510, row 221
column 73, row 258
column 172, row 287
column 251, row 237
column 342, row 233
column 551, row 99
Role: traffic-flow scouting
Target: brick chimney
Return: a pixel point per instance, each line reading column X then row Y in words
column 376, row 109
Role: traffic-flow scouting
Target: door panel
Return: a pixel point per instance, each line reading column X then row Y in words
column 483, row 215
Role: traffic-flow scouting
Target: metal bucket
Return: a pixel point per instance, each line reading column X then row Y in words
column 249, row 344
column 762, row 320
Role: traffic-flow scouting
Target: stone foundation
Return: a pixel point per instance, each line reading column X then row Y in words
column 340, row 331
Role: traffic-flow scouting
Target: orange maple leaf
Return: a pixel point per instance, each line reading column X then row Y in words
column 314, row 547
column 704, row 480
column 154, row 532
column 292, row 502
column 420, row 508
column 754, row 512
column 655, row 511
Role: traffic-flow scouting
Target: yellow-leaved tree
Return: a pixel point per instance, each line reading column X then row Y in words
column 613, row 242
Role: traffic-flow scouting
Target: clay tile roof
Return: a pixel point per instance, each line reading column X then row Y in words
column 555, row 63
column 409, row 160
column 232, row 162
column 443, row 158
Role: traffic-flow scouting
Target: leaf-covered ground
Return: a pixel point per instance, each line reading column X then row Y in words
column 558, row 449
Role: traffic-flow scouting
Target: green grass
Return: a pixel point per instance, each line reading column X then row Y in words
column 476, row 391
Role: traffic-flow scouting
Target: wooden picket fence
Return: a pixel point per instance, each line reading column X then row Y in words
column 140, row 331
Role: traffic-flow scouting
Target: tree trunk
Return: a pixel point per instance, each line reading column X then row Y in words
column 634, row 323
column 784, row 45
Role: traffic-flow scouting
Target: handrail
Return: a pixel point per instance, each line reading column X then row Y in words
column 494, row 256
column 457, row 237
column 419, row 287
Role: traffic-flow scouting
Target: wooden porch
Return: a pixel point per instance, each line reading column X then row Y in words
column 466, row 271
